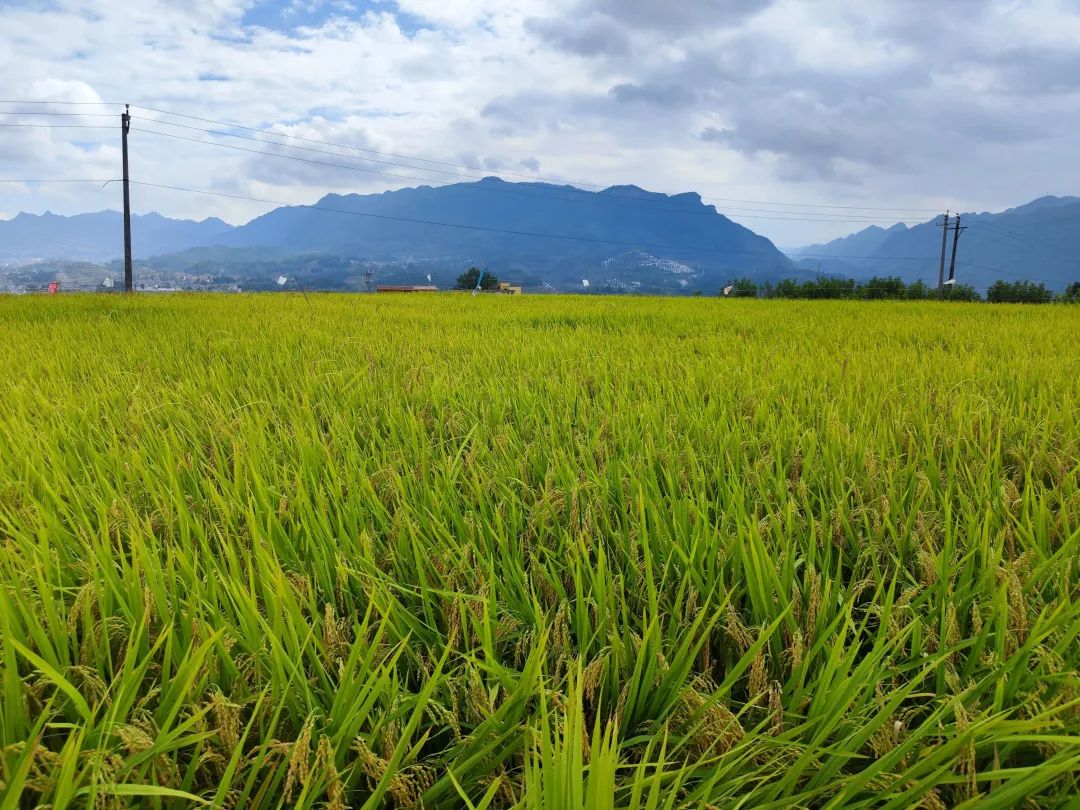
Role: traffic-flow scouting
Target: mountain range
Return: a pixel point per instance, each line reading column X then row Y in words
column 539, row 233
column 542, row 235
column 99, row 236
column 547, row 237
column 1039, row 241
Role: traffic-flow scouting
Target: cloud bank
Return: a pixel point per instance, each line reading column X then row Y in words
column 973, row 105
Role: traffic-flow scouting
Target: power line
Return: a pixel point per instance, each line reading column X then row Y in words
column 534, row 178
column 56, row 114
column 515, row 192
column 743, row 213
column 61, row 180
column 1022, row 276
column 413, row 158
column 575, row 197
column 456, row 175
column 1022, row 237
column 822, row 205
column 756, row 214
column 1026, row 277
column 69, row 103
column 456, row 225
column 59, row 126
column 510, row 232
column 998, row 240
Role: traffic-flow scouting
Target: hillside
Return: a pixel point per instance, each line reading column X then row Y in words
column 509, row 226
column 548, row 237
column 99, row 236
column 1039, row 241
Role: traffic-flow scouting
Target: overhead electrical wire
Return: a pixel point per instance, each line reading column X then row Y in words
column 59, row 126
column 515, row 192
column 746, row 213
column 1025, row 277
column 508, row 231
column 70, row 103
column 56, row 114
column 818, row 216
column 1023, row 238
column 532, row 177
column 984, row 234
column 62, row 180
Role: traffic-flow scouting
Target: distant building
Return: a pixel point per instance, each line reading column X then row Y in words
column 406, row 288
column 504, row 288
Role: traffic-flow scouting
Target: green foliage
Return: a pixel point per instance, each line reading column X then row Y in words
column 877, row 288
column 572, row 552
column 468, row 280
column 956, row 292
column 890, row 287
column 917, row 291
column 824, row 287
column 744, row 288
column 1019, row 292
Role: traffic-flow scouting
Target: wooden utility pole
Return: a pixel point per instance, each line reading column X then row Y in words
column 944, row 240
column 125, row 125
column 956, row 238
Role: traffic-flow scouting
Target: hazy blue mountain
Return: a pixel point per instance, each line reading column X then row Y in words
column 100, row 236
column 627, row 240
column 861, row 243
column 1038, row 241
column 512, row 219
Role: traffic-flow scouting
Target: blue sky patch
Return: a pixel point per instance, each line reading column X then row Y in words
column 289, row 15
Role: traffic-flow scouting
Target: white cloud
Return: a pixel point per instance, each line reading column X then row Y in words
column 909, row 104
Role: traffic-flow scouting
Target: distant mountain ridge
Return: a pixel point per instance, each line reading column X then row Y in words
column 557, row 234
column 1038, row 241
column 547, row 237
column 99, row 236
column 855, row 245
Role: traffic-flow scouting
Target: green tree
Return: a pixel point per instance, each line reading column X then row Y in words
column 957, row 292
column 744, row 288
column 1019, row 292
column 832, row 287
column 917, row 291
column 999, row 291
column 469, row 279
column 882, row 288
column 787, row 288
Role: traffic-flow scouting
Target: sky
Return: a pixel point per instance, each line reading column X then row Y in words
column 803, row 120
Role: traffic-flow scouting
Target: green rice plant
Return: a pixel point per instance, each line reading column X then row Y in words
column 537, row 552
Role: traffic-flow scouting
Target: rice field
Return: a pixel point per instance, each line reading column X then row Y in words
column 540, row 552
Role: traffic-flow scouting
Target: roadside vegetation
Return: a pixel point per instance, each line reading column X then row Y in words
column 893, row 288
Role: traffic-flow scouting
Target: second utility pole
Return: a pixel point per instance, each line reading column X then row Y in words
column 125, row 125
column 944, row 238
column 956, row 238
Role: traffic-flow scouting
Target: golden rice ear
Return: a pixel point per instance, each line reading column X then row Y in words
column 776, row 710
column 299, row 766
column 755, row 687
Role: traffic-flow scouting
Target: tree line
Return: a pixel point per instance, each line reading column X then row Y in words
column 895, row 289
